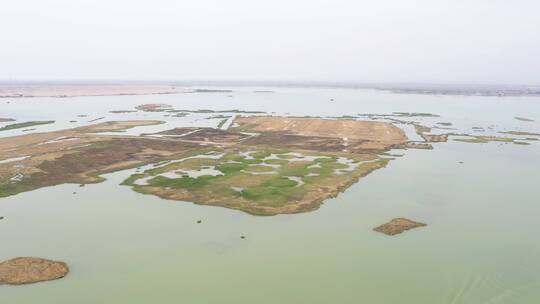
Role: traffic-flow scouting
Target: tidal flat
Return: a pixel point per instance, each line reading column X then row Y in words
column 128, row 247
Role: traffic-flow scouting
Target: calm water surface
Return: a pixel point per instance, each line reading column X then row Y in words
column 480, row 246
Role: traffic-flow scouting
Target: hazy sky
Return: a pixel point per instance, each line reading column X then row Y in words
column 458, row 41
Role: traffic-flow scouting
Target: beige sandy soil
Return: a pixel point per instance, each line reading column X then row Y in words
column 77, row 155
column 19, row 271
column 354, row 133
column 397, row 226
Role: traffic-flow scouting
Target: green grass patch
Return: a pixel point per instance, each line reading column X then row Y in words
column 484, row 139
column 130, row 181
column 182, row 182
column 260, row 154
column 287, row 156
column 231, row 168
column 325, row 160
column 275, row 191
column 280, row 162
column 260, row 191
column 259, row 168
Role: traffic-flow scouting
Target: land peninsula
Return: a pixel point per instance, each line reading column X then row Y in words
column 268, row 165
column 262, row 165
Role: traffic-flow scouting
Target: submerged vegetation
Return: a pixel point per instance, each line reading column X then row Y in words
column 27, row 124
column 520, row 133
column 121, row 111
column 524, row 119
column 160, row 107
column 222, row 123
column 476, row 139
column 211, row 91
column 206, row 111
column 414, row 114
column 399, row 114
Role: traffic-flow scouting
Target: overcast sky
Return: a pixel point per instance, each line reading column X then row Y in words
column 439, row 41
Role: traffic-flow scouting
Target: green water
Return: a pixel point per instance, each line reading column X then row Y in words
column 480, row 246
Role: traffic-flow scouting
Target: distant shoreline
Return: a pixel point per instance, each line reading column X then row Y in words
column 466, row 92
column 94, row 88
column 63, row 91
column 81, row 90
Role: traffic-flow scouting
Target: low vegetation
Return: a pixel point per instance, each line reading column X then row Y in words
column 261, row 182
column 397, row 226
column 520, row 133
column 485, row 139
column 27, row 124
column 222, row 123
column 524, row 119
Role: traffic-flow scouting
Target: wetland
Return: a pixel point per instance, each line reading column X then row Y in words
column 177, row 206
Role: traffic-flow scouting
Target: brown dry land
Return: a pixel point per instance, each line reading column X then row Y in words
column 267, row 194
column 362, row 135
column 435, row 137
column 206, row 135
column 84, row 90
column 423, row 131
column 19, row 271
column 398, row 225
column 81, row 155
column 77, row 155
column 153, row 107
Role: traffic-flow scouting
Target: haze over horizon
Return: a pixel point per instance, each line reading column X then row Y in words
column 409, row 41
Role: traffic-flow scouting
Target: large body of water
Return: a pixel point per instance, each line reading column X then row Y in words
column 480, row 246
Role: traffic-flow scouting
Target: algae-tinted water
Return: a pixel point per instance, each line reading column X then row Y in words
column 480, row 245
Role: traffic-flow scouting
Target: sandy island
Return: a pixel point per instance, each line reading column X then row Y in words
column 397, row 226
column 25, row 270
